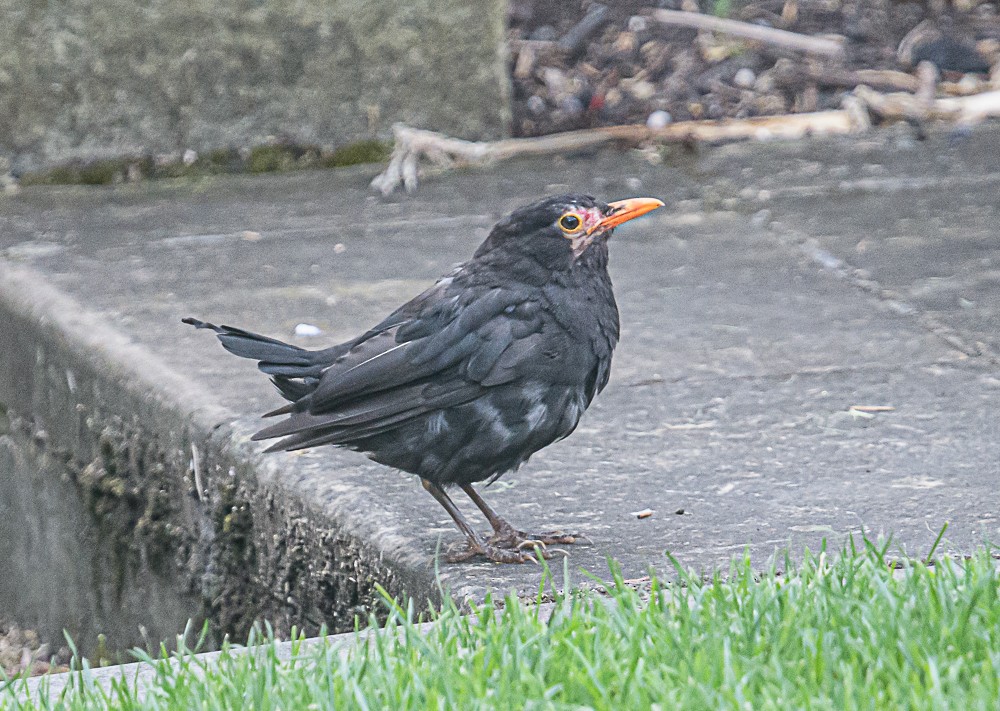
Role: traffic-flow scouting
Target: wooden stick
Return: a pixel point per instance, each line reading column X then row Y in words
column 779, row 38
column 963, row 110
column 970, row 109
column 788, row 73
column 413, row 143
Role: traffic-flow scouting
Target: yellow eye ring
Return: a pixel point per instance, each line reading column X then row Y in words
column 571, row 223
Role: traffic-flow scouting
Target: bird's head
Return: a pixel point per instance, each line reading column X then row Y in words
column 561, row 229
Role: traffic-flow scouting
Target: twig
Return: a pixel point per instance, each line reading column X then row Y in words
column 575, row 40
column 970, row 109
column 793, row 74
column 412, row 143
column 963, row 110
column 779, row 38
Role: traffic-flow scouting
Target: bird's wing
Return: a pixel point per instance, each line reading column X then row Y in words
column 368, row 416
column 446, row 333
column 448, row 353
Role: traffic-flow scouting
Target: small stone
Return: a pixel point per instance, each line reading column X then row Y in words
column 764, row 83
column 571, row 106
column 307, row 330
column 525, row 64
column 642, row 90
column 189, row 157
column 536, row 105
column 545, row 33
column 554, row 80
column 770, row 104
column 637, row 23
column 715, row 53
column 626, row 43
column 658, row 120
column 970, row 84
column 761, row 218
column 339, row 248
column 989, row 48
column 744, row 78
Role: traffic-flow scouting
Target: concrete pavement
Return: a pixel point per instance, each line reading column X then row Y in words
column 784, row 284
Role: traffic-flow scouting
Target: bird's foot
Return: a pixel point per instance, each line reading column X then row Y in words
column 506, row 536
column 522, row 552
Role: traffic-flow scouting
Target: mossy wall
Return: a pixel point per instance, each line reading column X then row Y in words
column 94, row 79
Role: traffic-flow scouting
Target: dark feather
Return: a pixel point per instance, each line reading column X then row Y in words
column 495, row 361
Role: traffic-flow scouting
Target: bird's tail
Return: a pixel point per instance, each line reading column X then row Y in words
column 293, row 370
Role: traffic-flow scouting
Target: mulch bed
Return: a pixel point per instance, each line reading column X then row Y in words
column 584, row 64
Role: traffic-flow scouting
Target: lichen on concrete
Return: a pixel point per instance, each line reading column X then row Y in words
column 273, row 157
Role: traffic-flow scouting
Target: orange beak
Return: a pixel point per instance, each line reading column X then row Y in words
column 625, row 210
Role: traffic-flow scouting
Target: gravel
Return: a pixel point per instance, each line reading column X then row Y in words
column 586, row 64
column 21, row 649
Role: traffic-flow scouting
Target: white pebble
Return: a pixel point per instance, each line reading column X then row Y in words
column 658, row 119
column 571, row 106
column 637, row 23
column 761, row 218
column 189, row 156
column 642, row 90
column 307, row 329
column 744, row 78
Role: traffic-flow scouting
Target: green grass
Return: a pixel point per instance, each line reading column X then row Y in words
column 833, row 632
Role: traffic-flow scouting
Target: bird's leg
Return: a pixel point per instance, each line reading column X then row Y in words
column 478, row 545
column 506, row 535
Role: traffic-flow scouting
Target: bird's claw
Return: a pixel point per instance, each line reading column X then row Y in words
column 564, row 538
column 495, row 553
column 505, row 551
column 513, row 538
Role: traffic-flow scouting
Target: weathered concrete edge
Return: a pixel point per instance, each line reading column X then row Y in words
column 219, row 521
column 140, row 675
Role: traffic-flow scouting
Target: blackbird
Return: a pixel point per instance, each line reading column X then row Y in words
column 495, row 361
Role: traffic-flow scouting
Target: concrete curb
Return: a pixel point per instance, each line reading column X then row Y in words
column 178, row 513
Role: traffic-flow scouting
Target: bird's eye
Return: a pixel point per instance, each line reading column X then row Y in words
column 570, row 223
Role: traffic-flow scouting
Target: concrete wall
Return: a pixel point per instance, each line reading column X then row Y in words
column 128, row 504
column 106, row 78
